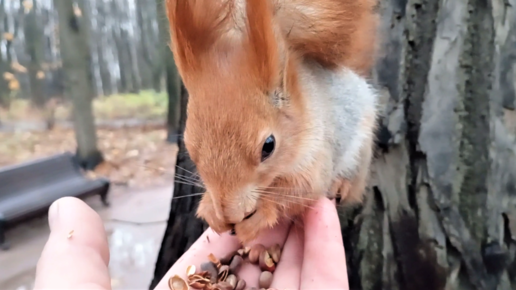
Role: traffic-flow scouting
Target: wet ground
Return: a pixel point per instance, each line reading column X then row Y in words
column 135, row 224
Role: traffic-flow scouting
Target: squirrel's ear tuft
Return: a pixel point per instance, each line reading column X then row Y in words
column 262, row 47
column 195, row 26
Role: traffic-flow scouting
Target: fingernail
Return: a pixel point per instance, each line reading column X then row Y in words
column 53, row 214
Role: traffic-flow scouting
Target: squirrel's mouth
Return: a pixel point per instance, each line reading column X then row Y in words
column 250, row 215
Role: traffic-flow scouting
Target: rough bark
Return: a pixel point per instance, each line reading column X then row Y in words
column 78, row 81
column 183, row 227
column 440, row 210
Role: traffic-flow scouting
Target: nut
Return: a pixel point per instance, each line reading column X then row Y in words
column 265, row 279
column 214, row 260
column 224, row 286
column 227, row 258
column 212, row 271
column 240, row 285
column 255, row 253
column 197, row 284
column 266, row 263
column 177, row 283
column 247, row 250
column 232, row 279
column 275, row 252
column 240, row 252
column 236, row 264
column 190, row 270
column 223, row 273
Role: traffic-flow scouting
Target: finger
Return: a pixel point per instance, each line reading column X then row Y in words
column 324, row 261
column 278, row 235
column 208, row 242
column 288, row 271
column 78, row 259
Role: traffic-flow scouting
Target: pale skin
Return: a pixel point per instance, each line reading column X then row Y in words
column 313, row 255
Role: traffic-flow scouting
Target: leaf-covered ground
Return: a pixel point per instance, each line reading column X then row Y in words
column 135, row 157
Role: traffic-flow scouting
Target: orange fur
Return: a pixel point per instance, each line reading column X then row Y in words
column 244, row 86
column 333, row 32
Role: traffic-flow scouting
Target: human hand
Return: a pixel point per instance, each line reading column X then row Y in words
column 313, row 255
column 78, row 262
column 312, row 258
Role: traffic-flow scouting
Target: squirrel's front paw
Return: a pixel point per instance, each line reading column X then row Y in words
column 207, row 212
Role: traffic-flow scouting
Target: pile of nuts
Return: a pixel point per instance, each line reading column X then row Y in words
column 220, row 274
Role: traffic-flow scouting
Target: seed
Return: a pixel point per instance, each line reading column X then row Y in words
column 236, row 264
column 223, row 273
column 275, row 252
column 240, row 252
column 232, row 279
column 198, row 284
column 190, row 270
column 177, row 283
column 255, row 253
column 227, row 258
column 214, row 260
column 240, row 285
column 212, row 271
column 265, row 279
column 247, row 250
column 266, row 263
column 224, row 286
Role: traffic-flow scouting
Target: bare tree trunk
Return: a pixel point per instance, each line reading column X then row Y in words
column 173, row 80
column 440, row 210
column 34, row 49
column 4, row 65
column 105, row 74
column 78, row 81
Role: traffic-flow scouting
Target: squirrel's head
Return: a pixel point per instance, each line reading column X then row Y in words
column 246, row 118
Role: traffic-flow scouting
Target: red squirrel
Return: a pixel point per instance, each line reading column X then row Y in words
column 280, row 111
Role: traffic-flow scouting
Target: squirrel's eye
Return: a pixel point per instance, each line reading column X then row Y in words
column 268, row 147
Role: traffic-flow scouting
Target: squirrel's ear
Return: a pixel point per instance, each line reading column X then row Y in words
column 262, row 47
column 195, row 25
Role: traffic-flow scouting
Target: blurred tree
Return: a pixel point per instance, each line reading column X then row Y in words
column 127, row 61
column 440, row 211
column 35, row 50
column 173, row 80
column 4, row 64
column 147, row 52
column 78, row 80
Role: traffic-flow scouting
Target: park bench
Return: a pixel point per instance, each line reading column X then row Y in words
column 27, row 190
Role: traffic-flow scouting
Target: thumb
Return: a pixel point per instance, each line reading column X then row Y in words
column 76, row 255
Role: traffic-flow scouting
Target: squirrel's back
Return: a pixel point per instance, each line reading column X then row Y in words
column 335, row 33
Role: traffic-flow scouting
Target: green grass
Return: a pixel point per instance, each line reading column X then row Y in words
column 147, row 105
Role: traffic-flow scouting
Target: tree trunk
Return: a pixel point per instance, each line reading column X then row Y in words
column 102, row 50
column 173, row 80
column 78, row 81
column 4, row 65
column 35, row 50
column 183, row 227
column 440, row 211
